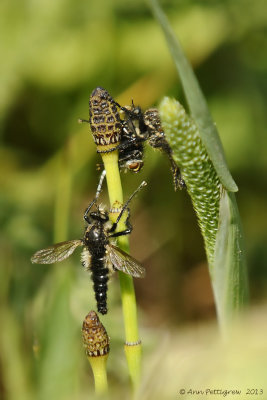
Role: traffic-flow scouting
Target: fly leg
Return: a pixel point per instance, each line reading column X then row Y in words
column 120, row 146
column 127, row 222
column 80, row 121
column 126, row 231
column 98, row 190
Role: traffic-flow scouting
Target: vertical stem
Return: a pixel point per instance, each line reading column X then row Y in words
column 133, row 344
column 110, row 161
column 98, row 365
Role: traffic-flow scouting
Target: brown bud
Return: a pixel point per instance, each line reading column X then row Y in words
column 95, row 338
column 105, row 121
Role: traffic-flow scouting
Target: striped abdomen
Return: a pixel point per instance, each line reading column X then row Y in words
column 100, row 278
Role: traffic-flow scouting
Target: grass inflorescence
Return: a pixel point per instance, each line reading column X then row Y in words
column 197, row 170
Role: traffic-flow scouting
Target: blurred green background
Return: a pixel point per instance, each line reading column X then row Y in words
column 54, row 53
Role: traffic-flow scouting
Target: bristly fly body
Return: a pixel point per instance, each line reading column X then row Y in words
column 128, row 134
column 99, row 255
column 111, row 133
column 131, row 148
column 139, row 127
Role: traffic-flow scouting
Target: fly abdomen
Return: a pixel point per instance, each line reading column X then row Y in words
column 100, row 279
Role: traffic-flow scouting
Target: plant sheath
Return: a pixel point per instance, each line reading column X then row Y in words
column 132, row 343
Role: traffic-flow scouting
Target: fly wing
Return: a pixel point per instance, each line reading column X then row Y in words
column 125, row 263
column 57, row 252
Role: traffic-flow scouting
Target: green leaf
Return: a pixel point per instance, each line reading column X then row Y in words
column 230, row 271
column 196, row 101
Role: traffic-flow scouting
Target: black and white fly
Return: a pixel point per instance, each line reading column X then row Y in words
column 139, row 127
column 99, row 254
column 129, row 133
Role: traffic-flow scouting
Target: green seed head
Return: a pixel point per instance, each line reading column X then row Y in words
column 197, row 170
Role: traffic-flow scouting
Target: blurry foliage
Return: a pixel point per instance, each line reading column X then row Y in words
column 53, row 54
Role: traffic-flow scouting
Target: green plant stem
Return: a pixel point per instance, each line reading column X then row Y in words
column 98, row 365
column 133, row 351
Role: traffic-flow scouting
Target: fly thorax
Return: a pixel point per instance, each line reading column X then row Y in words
column 95, row 240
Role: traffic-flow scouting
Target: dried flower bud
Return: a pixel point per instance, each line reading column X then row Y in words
column 105, row 121
column 95, row 338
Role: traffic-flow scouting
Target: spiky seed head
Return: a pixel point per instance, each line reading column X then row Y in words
column 95, row 337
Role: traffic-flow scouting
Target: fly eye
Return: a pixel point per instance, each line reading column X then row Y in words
column 135, row 166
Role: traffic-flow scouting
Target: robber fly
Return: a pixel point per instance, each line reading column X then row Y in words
column 111, row 133
column 127, row 135
column 133, row 136
column 139, row 127
column 99, row 255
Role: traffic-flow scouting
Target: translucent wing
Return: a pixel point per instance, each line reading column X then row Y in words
column 124, row 262
column 57, row 252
